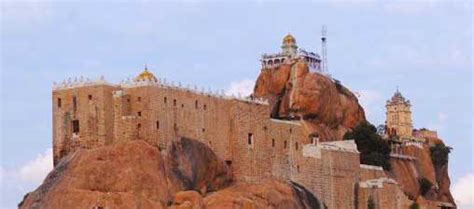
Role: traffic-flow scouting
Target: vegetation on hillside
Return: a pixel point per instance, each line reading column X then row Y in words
column 414, row 206
column 373, row 149
column 439, row 155
column 370, row 203
column 425, row 185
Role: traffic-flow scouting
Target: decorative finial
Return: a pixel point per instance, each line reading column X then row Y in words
column 146, row 67
column 397, row 89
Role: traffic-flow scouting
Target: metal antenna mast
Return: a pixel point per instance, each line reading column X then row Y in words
column 324, row 50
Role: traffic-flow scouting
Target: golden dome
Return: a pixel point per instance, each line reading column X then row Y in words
column 289, row 39
column 146, row 75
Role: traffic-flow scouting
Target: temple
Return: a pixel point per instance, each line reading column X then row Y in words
column 398, row 116
column 290, row 51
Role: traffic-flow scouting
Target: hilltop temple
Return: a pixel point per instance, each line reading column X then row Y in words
column 89, row 114
column 399, row 122
column 290, row 51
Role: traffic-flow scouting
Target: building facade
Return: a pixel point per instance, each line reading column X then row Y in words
column 89, row 114
column 398, row 116
column 289, row 51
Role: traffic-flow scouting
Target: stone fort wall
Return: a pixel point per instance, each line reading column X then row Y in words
column 239, row 131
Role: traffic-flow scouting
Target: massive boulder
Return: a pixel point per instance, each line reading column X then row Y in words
column 408, row 173
column 268, row 193
column 325, row 106
column 135, row 174
column 129, row 175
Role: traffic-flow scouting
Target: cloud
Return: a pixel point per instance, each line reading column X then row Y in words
column 462, row 191
column 2, row 174
column 442, row 116
column 243, row 87
column 439, row 124
column 37, row 169
column 369, row 99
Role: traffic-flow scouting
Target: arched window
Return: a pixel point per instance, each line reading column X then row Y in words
column 277, row 62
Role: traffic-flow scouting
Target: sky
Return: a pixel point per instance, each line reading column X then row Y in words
column 423, row 47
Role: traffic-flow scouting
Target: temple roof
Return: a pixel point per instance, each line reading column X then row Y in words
column 146, row 76
column 398, row 98
column 289, row 39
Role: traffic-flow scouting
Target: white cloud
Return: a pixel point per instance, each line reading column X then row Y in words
column 37, row 169
column 243, row 87
column 2, row 174
column 369, row 99
column 442, row 116
column 463, row 191
column 439, row 124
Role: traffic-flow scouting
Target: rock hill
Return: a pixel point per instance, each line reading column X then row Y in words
column 136, row 175
column 326, row 107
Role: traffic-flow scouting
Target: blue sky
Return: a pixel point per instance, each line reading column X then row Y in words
column 425, row 48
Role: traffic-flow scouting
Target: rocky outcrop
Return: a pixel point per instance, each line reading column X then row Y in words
column 265, row 194
column 326, row 107
column 135, row 174
column 129, row 175
column 408, row 172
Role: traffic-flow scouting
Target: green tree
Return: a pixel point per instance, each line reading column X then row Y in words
column 425, row 185
column 439, row 154
column 370, row 203
column 414, row 206
column 373, row 149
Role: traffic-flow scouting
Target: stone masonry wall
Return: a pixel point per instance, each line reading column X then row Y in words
column 240, row 132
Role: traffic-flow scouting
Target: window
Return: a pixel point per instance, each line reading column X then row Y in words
column 265, row 128
column 139, row 114
column 196, row 104
column 139, row 99
column 157, row 125
column 75, row 126
column 74, row 103
column 165, row 100
column 284, row 144
column 59, row 102
column 203, row 130
column 139, row 125
column 273, row 142
column 128, row 100
column 182, row 105
column 205, row 107
column 291, row 130
column 89, row 97
column 296, row 146
column 250, row 139
column 174, row 102
column 175, row 126
column 298, row 168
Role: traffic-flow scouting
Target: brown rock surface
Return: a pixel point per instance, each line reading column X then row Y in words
column 136, row 175
column 129, row 175
column 266, row 194
column 407, row 173
column 327, row 107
